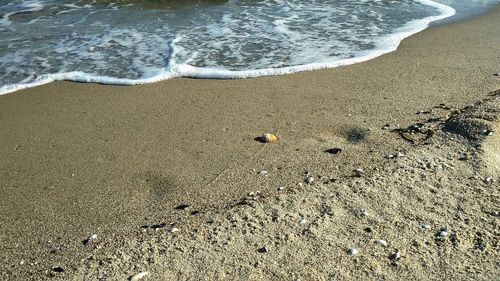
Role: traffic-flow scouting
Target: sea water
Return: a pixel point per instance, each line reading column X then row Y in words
column 134, row 42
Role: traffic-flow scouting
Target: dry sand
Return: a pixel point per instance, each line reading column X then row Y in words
column 81, row 159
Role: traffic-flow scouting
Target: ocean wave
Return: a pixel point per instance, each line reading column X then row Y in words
column 134, row 55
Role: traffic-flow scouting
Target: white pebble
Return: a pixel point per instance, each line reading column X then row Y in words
column 263, row 173
column 396, row 256
column 364, row 213
column 495, row 213
column 381, row 242
column 352, row 251
column 309, row 180
column 425, row 226
column 139, row 276
column 174, row 229
column 302, row 221
column 443, row 233
column 93, row 237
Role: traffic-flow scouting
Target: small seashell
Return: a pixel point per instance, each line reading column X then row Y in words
column 425, row 226
column 494, row 213
column 174, row 229
column 488, row 180
column 381, row 242
column 268, row 138
column 302, row 221
column 352, row 251
column 281, row 188
column 139, row 276
column 93, row 237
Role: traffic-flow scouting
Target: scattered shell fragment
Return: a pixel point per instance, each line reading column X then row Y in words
column 90, row 238
column 302, row 221
column 443, row 233
column 281, row 188
column 358, row 172
column 487, row 133
column 309, row 180
column 174, row 229
column 425, row 226
column 352, row 251
column 363, row 213
column 268, row 138
column 395, row 256
column 381, row 242
column 263, row 173
column 139, row 276
column 488, row 180
column 396, row 154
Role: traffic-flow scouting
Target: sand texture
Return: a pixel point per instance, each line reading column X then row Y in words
column 105, row 182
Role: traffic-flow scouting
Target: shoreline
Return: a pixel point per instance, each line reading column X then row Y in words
column 83, row 159
column 387, row 44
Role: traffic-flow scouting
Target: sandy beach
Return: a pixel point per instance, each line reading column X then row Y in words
column 129, row 164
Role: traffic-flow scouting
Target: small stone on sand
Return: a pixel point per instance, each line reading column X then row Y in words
column 363, row 213
column 381, row 242
column 334, row 150
column 352, row 251
column 263, row 173
column 139, row 276
column 309, row 180
column 263, row 250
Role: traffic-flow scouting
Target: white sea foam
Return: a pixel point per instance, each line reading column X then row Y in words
column 177, row 66
column 179, row 58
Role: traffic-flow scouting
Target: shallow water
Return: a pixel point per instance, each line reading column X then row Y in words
column 133, row 42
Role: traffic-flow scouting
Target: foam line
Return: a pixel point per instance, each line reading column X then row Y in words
column 386, row 44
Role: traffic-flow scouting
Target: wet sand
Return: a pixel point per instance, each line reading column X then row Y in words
column 83, row 159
